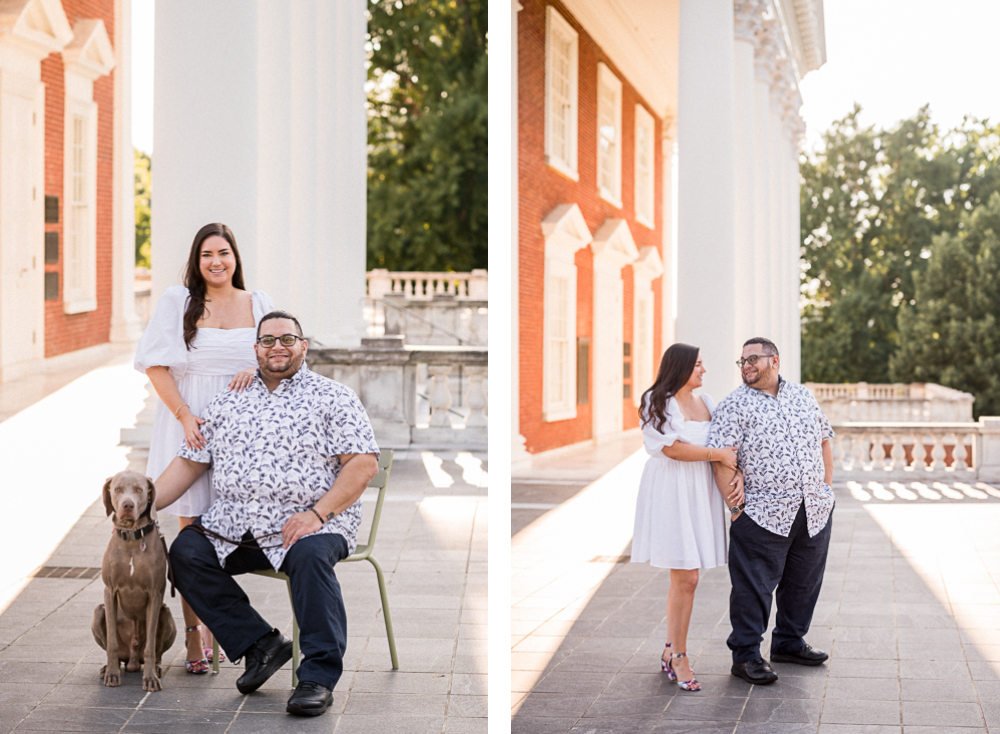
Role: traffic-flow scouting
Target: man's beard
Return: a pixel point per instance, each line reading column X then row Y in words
column 294, row 363
column 761, row 374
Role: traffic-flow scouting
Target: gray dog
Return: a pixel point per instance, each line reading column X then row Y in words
column 133, row 624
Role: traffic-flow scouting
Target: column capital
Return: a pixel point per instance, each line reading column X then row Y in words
column 765, row 53
column 747, row 17
column 668, row 129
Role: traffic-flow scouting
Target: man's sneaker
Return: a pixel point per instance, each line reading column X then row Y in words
column 309, row 699
column 263, row 660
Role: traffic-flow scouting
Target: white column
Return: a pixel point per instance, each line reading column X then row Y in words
column 746, row 21
column 776, row 171
column 706, row 279
column 794, row 371
column 205, row 131
column 260, row 124
column 763, row 162
column 518, row 452
column 28, row 33
column 669, row 281
column 125, row 326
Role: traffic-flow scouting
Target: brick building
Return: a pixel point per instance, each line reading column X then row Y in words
column 66, row 181
column 614, row 101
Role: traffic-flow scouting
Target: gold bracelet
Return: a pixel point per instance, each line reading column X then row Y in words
column 179, row 410
column 710, row 454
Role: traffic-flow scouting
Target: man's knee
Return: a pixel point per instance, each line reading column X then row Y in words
column 188, row 548
column 315, row 554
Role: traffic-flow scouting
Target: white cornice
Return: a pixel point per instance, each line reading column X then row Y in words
column 37, row 26
column 649, row 263
column 90, row 53
column 641, row 38
column 802, row 21
column 613, row 241
column 567, row 222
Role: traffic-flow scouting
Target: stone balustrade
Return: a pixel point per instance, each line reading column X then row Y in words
column 419, row 286
column 917, row 451
column 447, row 409
column 917, row 402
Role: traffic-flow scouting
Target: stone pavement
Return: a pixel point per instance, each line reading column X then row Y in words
column 431, row 543
column 909, row 612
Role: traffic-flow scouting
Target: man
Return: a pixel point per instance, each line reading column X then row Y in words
column 780, row 536
column 291, row 454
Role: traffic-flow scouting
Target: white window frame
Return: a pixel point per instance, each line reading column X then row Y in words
column 557, row 29
column 642, row 339
column 80, row 213
column 559, row 388
column 645, row 172
column 608, row 85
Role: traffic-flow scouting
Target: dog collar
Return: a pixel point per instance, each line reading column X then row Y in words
column 137, row 533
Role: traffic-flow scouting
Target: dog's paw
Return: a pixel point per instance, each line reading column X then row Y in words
column 151, row 684
column 112, row 678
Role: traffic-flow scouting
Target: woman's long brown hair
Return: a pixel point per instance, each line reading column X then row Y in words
column 195, row 281
column 675, row 370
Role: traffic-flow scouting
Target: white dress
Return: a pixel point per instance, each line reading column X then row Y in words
column 680, row 516
column 200, row 373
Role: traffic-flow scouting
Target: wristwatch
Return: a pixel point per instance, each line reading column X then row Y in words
column 737, row 509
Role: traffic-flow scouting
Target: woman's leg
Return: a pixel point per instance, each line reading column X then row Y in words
column 195, row 641
column 680, row 600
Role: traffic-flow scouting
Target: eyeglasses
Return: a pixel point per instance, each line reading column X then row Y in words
column 287, row 340
column 752, row 359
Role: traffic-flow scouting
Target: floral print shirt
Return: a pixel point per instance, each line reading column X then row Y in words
column 276, row 453
column 780, row 452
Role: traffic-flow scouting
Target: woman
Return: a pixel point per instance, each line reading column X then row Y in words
column 198, row 342
column 680, row 519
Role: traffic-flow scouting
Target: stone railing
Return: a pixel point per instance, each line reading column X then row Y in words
column 917, row 451
column 917, row 402
column 415, row 286
column 416, row 396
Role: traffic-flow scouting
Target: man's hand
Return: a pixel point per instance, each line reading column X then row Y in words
column 299, row 524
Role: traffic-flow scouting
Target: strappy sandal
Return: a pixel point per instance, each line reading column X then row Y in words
column 209, row 655
column 196, row 667
column 684, row 685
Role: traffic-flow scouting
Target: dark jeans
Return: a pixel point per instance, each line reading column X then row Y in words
column 759, row 561
column 223, row 606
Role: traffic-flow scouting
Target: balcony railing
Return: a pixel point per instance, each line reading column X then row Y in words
column 917, row 402
column 417, row 286
column 917, row 451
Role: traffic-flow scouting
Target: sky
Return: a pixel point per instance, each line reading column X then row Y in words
column 894, row 56
column 891, row 56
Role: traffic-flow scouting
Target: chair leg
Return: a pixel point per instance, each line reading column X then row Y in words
column 295, row 639
column 215, row 654
column 385, row 612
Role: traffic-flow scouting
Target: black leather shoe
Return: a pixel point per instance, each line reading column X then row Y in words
column 805, row 656
column 757, row 672
column 264, row 659
column 309, row 699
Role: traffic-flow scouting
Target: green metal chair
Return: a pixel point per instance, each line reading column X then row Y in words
column 361, row 553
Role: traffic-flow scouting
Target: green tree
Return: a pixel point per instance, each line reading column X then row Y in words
column 871, row 203
column 427, row 134
column 143, row 167
column 950, row 334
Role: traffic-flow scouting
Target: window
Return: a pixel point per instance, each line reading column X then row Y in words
column 560, row 339
column 80, row 287
column 645, row 164
column 561, row 47
column 609, row 127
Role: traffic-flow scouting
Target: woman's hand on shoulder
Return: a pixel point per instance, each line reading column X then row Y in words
column 726, row 456
column 192, row 434
column 242, row 380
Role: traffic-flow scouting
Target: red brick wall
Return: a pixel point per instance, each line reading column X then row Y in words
column 541, row 188
column 67, row 333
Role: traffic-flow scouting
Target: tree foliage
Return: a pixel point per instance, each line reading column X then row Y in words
column 872, row 202
column 950, row 334
column 427, row 134
column 143, row 166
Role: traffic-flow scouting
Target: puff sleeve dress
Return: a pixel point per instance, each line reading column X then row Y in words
column 200, row 373
column 680, row 517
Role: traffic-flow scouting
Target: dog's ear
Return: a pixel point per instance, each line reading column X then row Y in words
column 107, row 496
column 152, row 493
